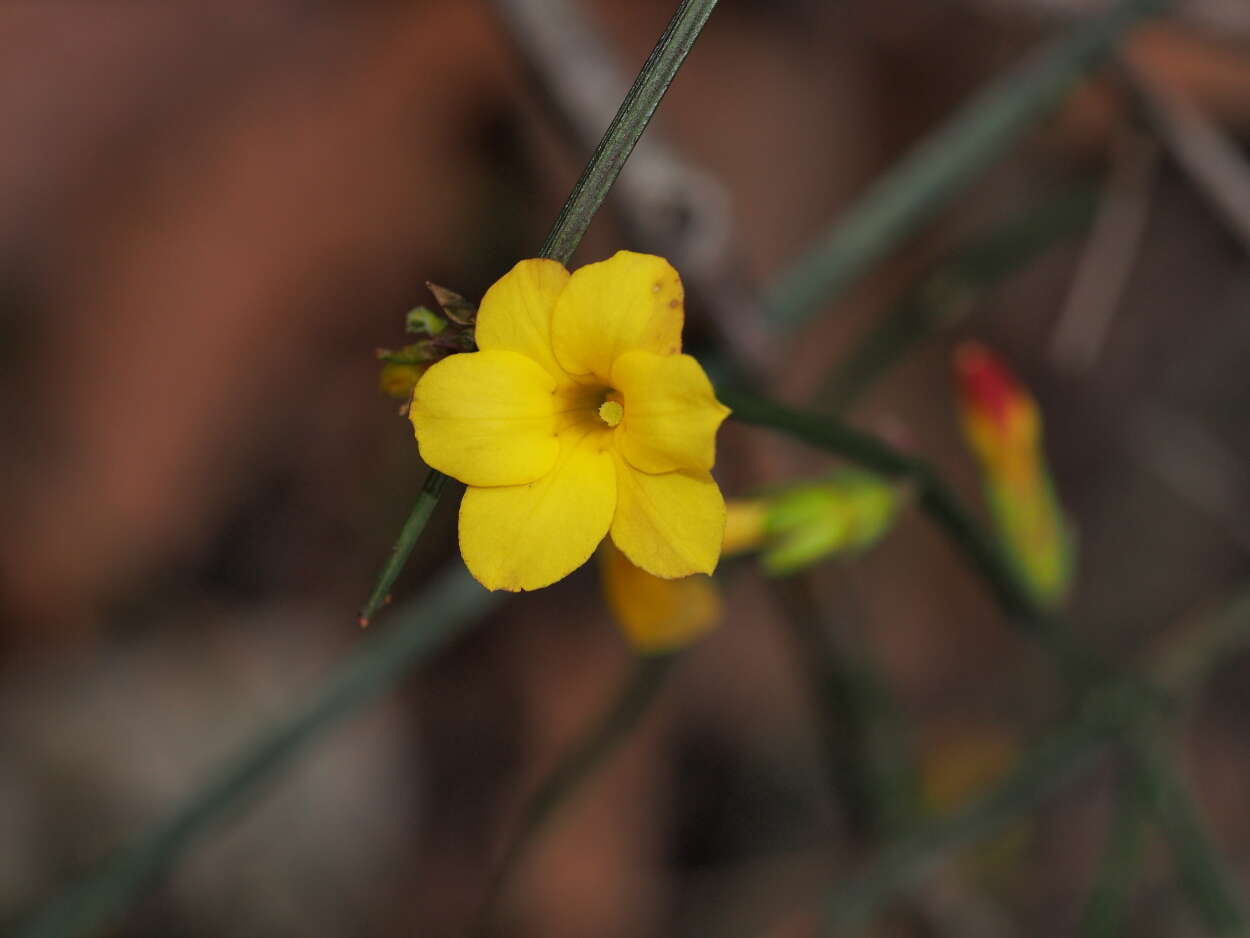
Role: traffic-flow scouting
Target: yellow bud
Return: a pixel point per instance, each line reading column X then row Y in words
column 656, row 615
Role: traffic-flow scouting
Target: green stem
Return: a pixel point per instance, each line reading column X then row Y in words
column 427, row 500
column 945, row 295
column 862, row 740
column 631, row 120
column 1204, row 875
column 452, row 602
column 1109, row 714
column 576, row 764
column 1062, row 756
column 1109, row 899
column 935, row 497
column 939, row 169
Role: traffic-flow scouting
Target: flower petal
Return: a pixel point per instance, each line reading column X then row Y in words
column 671, row 412
column 671, row 525
column 525, row 537
column 515, row 313
column 629, row 301
column 656, row 615
column 487, row 418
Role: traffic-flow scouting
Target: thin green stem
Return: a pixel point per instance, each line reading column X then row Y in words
column 575, row 766
column 944, row 165
column 450, row 605
column 1109, row 899
column 944, row 296
column 427, row 501
column 1109, row 714
column 1061, row 756
column 935, row 497
column 1207, row 879
column 862, row 741
column 627, row 126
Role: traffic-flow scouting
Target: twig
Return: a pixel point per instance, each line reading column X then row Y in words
column 843, row 696
column 450, row 605
column 1108, row 714
column 1212, row 161
column 427, row 501
column 1112, row 891
column 1107, row 263
column 944, row 296
column 1206, row 878
column 938, row 502
column 576, row 764
column 1060, row 757
column 944, row 165
column 626, row 127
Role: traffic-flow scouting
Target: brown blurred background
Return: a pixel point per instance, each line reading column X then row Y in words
column 210, row 216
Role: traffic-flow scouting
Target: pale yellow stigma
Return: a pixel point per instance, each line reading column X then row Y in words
column 611, row 412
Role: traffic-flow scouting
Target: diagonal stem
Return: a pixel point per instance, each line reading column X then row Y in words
column 451, row 604
column 576, row 764
column 936, row 499
column 1112, row 892
column 944, row 165
column 631, row 120
column 427, row 501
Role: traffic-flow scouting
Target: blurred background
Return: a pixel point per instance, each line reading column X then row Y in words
column 210, row 217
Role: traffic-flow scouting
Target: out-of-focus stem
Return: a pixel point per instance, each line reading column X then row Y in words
column 1109, row 898
column 944, row 165
column 427, row 501
column 576, row 764
column 1108, row 714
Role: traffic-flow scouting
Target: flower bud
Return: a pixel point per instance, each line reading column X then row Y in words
column 657, row 615
column 846, row 513
column 1003, row 427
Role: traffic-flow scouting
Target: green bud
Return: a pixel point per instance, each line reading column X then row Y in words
column 424, row 321
column 846, row 513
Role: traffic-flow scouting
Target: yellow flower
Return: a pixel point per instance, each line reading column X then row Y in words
column 576, row 417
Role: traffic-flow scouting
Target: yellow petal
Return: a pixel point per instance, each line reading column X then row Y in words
column 656, row 615
column 630, row 301
column 515, row 313
column 671, row 525
column 746, row 522
column 525, row 537
column 487, row 418
column 671, row 412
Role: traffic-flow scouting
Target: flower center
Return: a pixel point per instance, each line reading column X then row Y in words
column 611, row 412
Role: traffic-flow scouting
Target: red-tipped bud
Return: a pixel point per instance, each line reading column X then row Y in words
column 1000, row 416
column 1001, row 422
